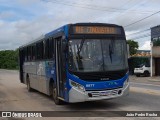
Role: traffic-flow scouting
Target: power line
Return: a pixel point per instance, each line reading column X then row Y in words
column 89, row 7
column 138, row 32
column 142, row 19
column 93, row 7
column 140, row 37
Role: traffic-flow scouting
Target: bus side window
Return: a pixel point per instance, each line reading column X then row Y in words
column 47, row 49
column 33, row 52
column 51, row 48
column 43, row 42
column 25, row 53
column 29, row 53
column 40, row 50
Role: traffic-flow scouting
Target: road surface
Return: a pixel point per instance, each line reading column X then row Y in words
column 15, row 97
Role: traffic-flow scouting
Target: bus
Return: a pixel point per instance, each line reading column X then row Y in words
column 77, row 62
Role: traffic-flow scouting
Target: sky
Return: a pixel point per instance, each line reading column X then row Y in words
column 22, row 21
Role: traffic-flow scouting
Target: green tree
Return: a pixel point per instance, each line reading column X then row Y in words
column 156, row 42
column 133, row 46
column 9, row 59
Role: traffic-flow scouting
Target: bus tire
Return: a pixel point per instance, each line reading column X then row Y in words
column 28, row 85
column 55, row 96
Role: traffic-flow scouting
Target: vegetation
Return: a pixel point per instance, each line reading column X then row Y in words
column 133, row 46
column 9, row 59
column 156, row 43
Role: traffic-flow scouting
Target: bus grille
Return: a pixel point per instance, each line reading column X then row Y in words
column 105, row 93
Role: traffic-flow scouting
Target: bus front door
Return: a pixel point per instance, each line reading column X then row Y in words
column 60, row 68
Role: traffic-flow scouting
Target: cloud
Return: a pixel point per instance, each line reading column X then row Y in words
column 145, row 46
column 24, row 20
column 20, row 32
column 27, row 2
column 6, row 14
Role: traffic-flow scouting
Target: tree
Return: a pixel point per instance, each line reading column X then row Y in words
column 9, row 59
column 133, row 46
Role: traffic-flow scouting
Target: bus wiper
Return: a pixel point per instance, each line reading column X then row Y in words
column 80, row 47
column 79, row 61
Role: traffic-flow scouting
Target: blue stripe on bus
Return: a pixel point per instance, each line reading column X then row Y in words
column 61, row 29
column 64, row 29
column 102, row 85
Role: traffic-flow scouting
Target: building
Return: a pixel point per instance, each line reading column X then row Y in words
column 155, row 51
column 142, row 53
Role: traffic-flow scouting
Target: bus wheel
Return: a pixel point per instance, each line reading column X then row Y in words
column 28, row 85
column 55, row 97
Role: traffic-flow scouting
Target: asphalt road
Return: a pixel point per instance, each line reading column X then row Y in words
column 145, row 85
column 15, row 97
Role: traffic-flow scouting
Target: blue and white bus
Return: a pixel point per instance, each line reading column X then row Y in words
column 77, row 62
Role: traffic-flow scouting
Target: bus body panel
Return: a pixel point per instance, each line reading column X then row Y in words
column 99, row 85
column 40, row 73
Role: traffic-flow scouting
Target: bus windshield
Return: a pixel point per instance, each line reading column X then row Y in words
column 97, row 55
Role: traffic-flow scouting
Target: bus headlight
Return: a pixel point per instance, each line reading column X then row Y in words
column 125, row 83
column 77, row 85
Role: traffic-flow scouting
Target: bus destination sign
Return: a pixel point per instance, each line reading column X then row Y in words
column 96, row 30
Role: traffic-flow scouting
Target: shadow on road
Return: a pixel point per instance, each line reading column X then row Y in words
column 82, row 106
column 93, row 105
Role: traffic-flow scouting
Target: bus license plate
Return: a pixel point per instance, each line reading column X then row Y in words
column 106, row 93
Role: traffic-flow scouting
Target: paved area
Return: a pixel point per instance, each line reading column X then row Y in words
column 148, row 80
column 15, row 97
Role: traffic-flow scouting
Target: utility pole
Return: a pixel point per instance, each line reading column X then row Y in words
column 151, row 61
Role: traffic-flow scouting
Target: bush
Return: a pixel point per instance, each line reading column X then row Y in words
column 156, row 43
column 9, row 59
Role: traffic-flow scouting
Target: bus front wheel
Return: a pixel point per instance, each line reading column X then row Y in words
column 55, row 96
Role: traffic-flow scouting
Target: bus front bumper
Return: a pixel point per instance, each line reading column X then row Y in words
column 79, row 96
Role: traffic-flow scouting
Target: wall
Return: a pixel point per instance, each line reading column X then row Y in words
column 156, row 51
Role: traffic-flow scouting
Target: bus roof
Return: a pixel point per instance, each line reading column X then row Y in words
column 47, row 35
column 65, row 30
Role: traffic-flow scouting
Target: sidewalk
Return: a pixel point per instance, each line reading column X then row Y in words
column 148, row 80
column 154, row 79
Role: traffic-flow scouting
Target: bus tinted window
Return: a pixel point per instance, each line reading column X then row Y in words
column 33, row 52
column 40, row 50
column 47, row 49
column 51, row 48
column 29, row 53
